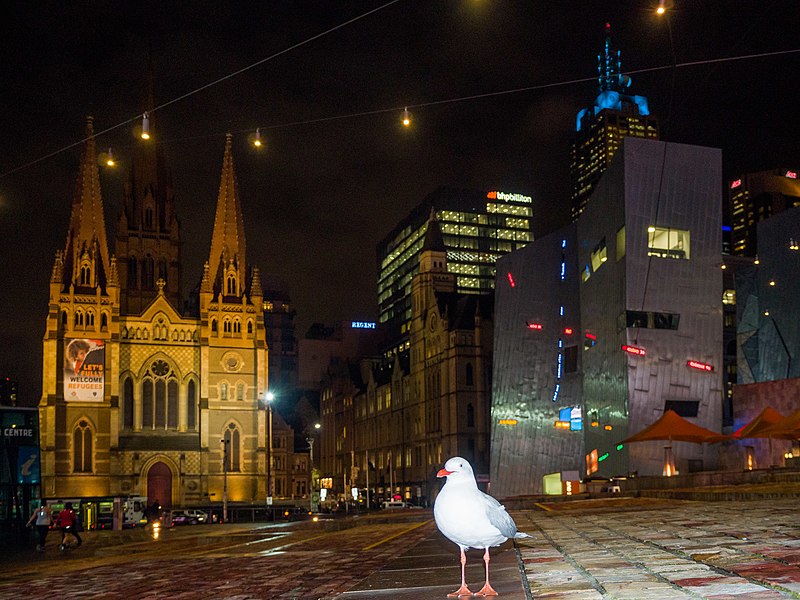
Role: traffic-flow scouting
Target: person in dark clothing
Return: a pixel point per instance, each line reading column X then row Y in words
column 67, row 521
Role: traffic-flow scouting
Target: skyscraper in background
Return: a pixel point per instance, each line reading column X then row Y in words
column 600, row 128
column 753, row 197
column 478, row 227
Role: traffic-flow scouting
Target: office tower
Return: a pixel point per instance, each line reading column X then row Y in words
column 478, row 227
column 600, row 129
column 753, row 197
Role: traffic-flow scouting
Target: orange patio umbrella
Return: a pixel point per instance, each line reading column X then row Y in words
column 672, row 427
column 788, row 428
column 760, row 427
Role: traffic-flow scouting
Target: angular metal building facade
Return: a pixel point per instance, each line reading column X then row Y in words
column 649, row 289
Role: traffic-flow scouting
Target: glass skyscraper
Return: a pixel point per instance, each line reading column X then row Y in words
column 477, row 227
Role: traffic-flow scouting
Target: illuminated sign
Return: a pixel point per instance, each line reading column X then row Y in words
column 791, row 174
column 536, row 326
column 634, row 350
column 568, row 331
column 507, row 421
column 362, row 325
column 591, row 462
column 561, row 424
column 602, row 457
column 591, row 336
column 509, row 197
column 699, row 366
column 736, row 183
column 84, row 369
column 326, row 483
column 511, row 280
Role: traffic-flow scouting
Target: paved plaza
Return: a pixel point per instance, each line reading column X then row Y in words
column 611, row 548
column 660, row 550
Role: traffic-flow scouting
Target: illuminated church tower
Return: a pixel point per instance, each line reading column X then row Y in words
column 140, row 399
column 148, row 232
column 601, row 127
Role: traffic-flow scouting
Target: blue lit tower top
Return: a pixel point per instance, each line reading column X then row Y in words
column 611, row 84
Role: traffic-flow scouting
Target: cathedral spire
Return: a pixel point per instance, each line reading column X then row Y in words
column 86, row 260
column 227, row 266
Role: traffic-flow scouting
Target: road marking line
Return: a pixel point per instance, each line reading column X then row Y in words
column 542, row 506
column 391, row 537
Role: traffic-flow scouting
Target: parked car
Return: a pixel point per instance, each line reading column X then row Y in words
column 397, row 504
column 189, row 516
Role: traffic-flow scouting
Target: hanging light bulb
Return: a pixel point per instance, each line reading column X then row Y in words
column 793, row 245
column 145, row 127
column 257, row 139
column 406, row 117
column 756, row 261
column 110, row 162
column 661, row 9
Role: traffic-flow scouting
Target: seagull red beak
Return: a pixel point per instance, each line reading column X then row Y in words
column 443, row 473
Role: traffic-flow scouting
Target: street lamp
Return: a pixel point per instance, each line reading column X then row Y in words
column 225, row 444
column 310, row 440
column 269, row 397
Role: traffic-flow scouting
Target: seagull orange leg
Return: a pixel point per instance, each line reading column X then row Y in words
column 463, row 590
column 486, row 590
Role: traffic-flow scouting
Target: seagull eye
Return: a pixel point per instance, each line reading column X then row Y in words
column 461, row 464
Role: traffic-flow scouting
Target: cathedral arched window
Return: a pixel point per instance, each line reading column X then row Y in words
column 470, row 377
column 127, row 403
column 82, row 447
column 86, row 274
column 79, row 318
column 172, row 404
column 233, row 451
column 226, row 326
column 103, row 321
column 237, row 326
column 250, row 327
column 90, row 319
column 147, row 403
column 148, row 217
column 64, row 319
column 240, row 391
column 223, row 391
column 470, row 415
column 231, row 285
column 191, row 406
column 213, row 326
column 132, row 272
column 148, row 275
column 162, row 270
column 161, row 404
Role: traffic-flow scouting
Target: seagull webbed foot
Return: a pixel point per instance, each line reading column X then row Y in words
column 486, row 590
column 462, row 591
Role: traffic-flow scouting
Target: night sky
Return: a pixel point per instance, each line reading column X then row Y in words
column 332, row 181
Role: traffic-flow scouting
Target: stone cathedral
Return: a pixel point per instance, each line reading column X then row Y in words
column 142, row 396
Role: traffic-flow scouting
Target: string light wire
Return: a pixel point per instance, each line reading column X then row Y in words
column 396, row 108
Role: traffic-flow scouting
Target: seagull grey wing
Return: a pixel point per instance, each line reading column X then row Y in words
column 498, row 516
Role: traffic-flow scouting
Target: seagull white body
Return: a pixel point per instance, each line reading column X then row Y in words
column 469, row 518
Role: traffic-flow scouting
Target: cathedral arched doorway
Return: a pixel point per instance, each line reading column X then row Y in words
column 159, row 485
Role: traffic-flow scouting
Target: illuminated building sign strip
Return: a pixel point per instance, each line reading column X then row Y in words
column 699, row 366
column 507, row 421
column 362, row 325
column 634, row 350
column 791, row 174
column 511, row 280
column 535, row 326
column 736, row 183
column 509, row 197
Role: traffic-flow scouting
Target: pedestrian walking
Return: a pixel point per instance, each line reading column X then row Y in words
column 41, row 519
column 68, row 522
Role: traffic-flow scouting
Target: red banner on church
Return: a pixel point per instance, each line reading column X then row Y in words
column 84, row 369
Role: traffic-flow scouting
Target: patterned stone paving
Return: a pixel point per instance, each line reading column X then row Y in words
column 589, row 550
column 678, row 549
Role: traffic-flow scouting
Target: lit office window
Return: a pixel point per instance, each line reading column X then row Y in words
column 667, row 243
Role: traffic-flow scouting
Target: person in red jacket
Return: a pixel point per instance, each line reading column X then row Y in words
column 67, row 521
